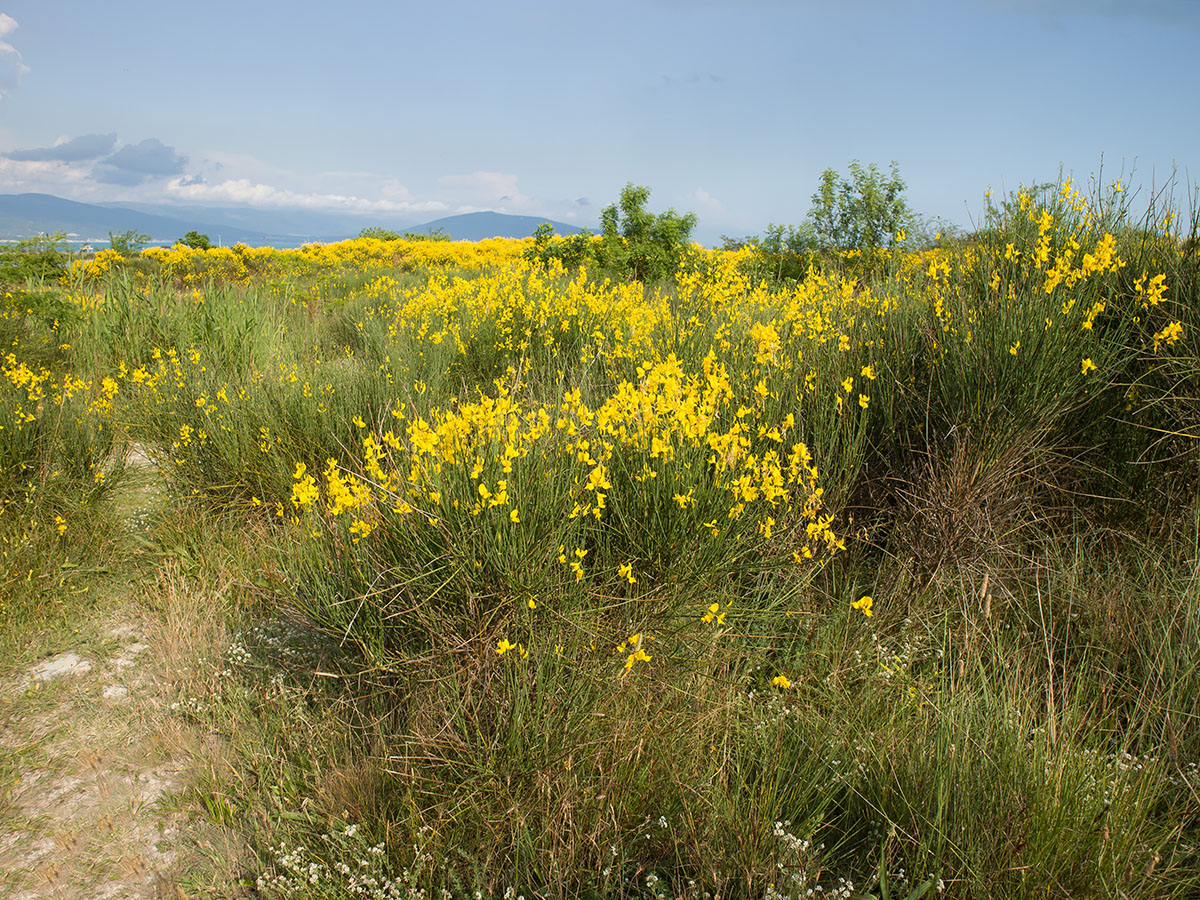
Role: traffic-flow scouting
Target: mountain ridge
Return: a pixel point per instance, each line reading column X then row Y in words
column 28, row 215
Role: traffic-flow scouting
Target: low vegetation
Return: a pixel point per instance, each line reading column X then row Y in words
column 613, row 566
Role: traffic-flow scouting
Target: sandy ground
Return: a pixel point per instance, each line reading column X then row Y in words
column 87, row 812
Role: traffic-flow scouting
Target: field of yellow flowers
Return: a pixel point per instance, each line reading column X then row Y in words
column 878, row 583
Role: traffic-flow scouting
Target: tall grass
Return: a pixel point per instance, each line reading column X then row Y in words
column 879, row 583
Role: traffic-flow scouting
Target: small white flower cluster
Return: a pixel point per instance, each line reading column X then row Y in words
column 293, row 872
column 237, row 654
column 796, row 863
column 652, row 881
column 193, row 707
column 297, row 873
column 842, row 891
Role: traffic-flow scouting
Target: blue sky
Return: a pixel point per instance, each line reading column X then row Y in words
column 730, row 110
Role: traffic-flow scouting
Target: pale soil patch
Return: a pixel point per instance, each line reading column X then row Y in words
column 63, row 664
column 87, row 766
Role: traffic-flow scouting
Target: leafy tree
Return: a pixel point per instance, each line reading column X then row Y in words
column 37, row 259
column 379, row 233
column 127, row 243
column 639, row 244
column 572, row 251
column 862, row 212
column 196, row 240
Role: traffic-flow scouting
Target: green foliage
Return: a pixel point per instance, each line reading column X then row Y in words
column 36, row 259
column 857, row 215
column 434, row 234
column 863, row 212
column 196, row 240
column 572, row 251
column 1026, row 745
column 634, row 243
column 379, row 233
column 127, row 243
column 637, row 244
column 783, row 253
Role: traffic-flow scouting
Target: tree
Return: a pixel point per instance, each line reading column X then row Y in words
column 572, row 251
column 639, row 244
column 127, row 243
column 863, row 212
column 379, row 233
column 38, row 258
column 195, row 240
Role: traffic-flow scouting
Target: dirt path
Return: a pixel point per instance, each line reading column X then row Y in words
column 86, row 811
column 91, row 759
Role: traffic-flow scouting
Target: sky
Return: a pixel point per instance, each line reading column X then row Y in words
column 729, row 110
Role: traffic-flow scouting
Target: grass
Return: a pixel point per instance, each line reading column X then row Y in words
column 478, row 577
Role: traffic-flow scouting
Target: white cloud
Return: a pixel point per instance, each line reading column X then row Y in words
column 708, row 201
column 11, row 66
column 487, row 190
column 40, row 176
column 250, row 193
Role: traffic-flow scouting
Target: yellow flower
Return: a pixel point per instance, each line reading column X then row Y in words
column 1088, row 366
column 781, row 681
column 531, row 603
column 61, row 524
column 848, row 384
column 1169, row 335
column 864, row 605
column 504, row 646
column 1014, row 348
column 626, row 572
column 863, row 400
column 358, row 420
column 641, row 655
column 514, row 516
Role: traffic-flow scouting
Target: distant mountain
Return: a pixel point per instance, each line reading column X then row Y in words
column 295, row 225
column 479, row 225
column 26, row 215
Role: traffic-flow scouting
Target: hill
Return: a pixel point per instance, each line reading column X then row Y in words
column 27, row 215
column 479, row 225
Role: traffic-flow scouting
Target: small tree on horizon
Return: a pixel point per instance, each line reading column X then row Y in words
column 379, row 233
column 862, row 212
column 637, row 242
column 127, row 243
column 196, row 241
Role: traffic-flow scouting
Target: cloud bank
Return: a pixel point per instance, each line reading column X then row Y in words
column 244, row 192
column 137, row 163
column 84, row 147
